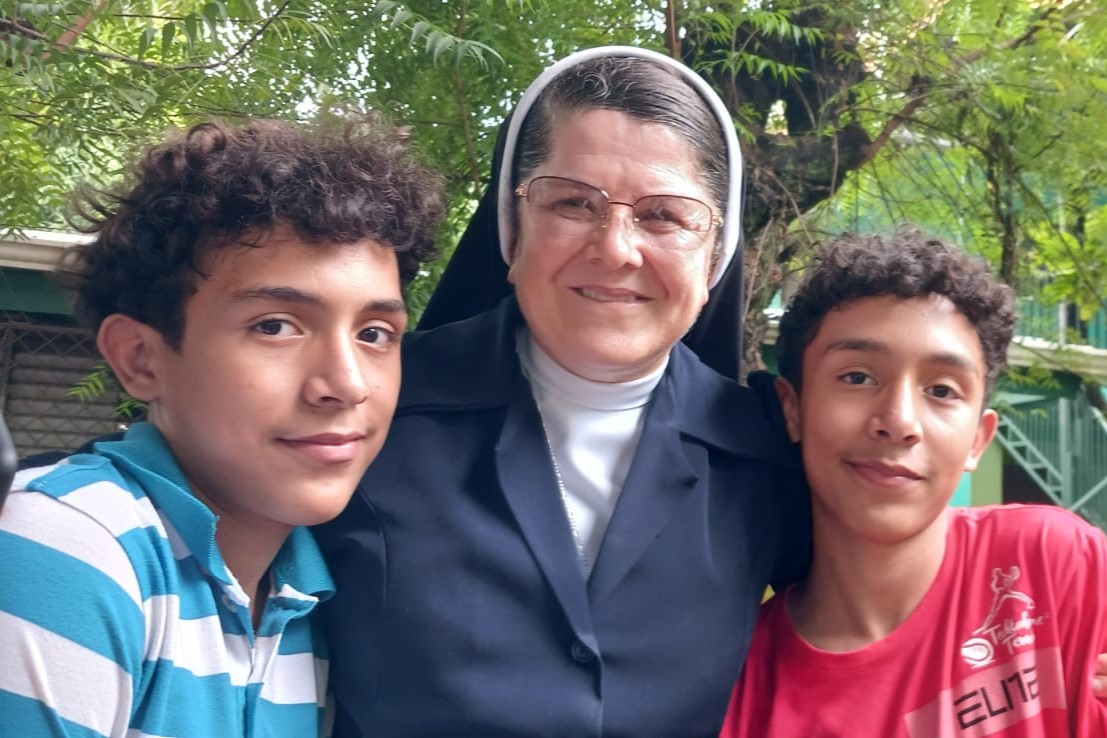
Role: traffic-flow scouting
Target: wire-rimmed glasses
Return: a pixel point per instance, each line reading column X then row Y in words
column 666, row 221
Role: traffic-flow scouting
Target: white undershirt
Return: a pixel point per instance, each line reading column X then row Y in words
column 593, row 429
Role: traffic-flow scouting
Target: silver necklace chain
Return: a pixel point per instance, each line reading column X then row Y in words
column 578, row 539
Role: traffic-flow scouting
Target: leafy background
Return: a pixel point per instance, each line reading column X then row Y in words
column 981, row 121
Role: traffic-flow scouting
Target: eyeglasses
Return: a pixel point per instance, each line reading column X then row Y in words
column 666, row 221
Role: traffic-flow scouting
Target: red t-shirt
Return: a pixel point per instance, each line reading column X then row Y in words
column 1003, row 644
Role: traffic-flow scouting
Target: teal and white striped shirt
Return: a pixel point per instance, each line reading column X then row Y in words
column 118, row 616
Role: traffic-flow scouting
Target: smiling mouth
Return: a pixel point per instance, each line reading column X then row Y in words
column 885, row 475
column 329, row 448
column 622, row 296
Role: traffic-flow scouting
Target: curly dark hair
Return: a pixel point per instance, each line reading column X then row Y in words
column 904, row 265
column 215, row 185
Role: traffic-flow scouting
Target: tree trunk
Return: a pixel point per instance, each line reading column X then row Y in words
column 787, row 173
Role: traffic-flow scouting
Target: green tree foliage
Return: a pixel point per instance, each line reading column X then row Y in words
column 84, row 82
column 1002, row 148
column 982, row 120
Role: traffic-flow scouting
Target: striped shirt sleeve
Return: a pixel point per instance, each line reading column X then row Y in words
column 71, row 621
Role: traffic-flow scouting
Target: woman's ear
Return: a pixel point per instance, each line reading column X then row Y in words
column 514, row 255
column 132, row 350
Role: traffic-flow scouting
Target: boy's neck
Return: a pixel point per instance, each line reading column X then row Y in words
column 248, row 551
column 859, row 590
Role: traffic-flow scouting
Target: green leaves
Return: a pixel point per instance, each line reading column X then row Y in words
column 1010, row 120
column 434, row 41
column 101, row 381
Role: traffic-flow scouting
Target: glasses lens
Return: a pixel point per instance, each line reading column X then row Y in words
column 666, row 214
column 664, row 221
column 567, row 199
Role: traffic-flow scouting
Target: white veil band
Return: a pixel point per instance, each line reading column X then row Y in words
column 732, row 220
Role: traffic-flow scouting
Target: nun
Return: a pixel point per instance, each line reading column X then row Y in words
column 571, row 525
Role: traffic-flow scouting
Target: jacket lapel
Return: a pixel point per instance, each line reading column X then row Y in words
column 661, row 476
column 530, row 485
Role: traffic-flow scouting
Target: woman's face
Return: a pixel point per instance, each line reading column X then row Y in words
column 603, row 302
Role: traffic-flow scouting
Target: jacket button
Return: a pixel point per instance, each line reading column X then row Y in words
column 581, row 653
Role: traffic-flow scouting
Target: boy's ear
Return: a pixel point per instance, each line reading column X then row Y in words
column 985, row 432
column 789, row 403
column 131, row 349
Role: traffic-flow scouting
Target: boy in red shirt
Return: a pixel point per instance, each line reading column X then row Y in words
column 917, row 619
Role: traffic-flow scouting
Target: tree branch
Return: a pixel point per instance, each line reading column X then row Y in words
column 70, row 35
column 904, row 115
column 672, row 40
column 463, row 110
column 17, row 27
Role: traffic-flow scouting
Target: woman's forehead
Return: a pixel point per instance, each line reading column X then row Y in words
column 606, row 142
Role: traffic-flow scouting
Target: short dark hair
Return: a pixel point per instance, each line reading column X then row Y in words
column 642, row 89
column 216, row 184
column 905, row 265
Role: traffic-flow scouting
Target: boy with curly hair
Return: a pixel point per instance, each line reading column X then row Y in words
column 247, row 287
column 917, row 619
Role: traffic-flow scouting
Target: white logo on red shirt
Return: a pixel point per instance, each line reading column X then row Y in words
column 1009, row 623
